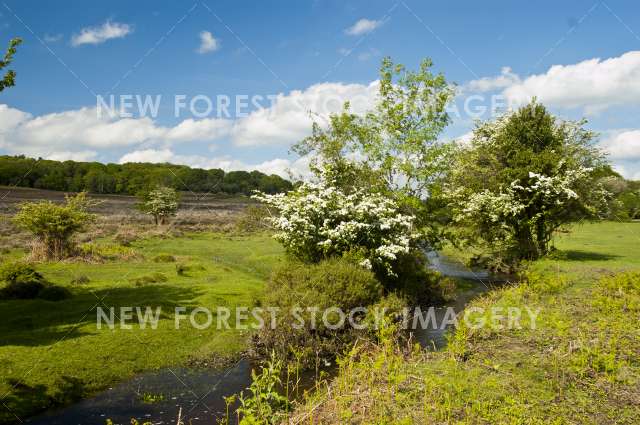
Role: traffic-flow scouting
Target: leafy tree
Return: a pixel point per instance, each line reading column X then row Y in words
column 160, row 203
column 131, row 178
column 9, row 78
column 522, row 177
column 393, row 148
column 54, row 225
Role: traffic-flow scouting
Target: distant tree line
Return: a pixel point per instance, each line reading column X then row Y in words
column 131, row 178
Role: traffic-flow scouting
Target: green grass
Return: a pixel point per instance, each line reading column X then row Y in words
column 52, row 352
column 581, row 363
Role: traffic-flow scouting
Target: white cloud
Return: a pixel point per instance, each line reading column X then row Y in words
column 100, row 34
column 206, row 129
column 622, row 145
column 363, row 26
column 207, row 43
column 287, row 120
column 73, row 156
column 368, row 54
column 52, row 38
column 506, row 79
column 83, row 128
column 594, row 84
column 279, row 166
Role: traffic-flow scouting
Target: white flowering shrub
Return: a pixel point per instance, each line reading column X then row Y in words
column 318, row 221
column 520, row 179
column 160, row 203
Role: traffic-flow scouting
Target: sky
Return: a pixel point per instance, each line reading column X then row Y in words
column 231, row 84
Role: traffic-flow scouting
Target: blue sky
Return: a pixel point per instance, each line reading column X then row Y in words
column 302, row 50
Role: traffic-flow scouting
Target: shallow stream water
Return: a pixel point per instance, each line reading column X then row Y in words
column 200, row 392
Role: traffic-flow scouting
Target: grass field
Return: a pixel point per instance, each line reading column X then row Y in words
column 579, row 365
column 52, row 352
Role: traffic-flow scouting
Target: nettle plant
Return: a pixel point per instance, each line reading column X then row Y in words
column 318, row 221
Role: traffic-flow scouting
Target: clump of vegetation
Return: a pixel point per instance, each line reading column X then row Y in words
column 126, row 236
column 53, row 226
column 164, row 258
column 254, row 219
column 23, row 282
column 524, row 176
column 264, row 403
column 151, row 398
column 303, row 293
column 160, row 203
column 319, row 221
column 183, row 269
column 93, row 251
column 156, row 277
column 80, row 280
column 54, row 293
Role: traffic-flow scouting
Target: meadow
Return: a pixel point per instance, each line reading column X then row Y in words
column 580, row 364
column 52, row 353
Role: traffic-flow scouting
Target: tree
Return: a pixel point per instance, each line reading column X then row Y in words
column 320, row 221
column 393, row 148
column 54, row 225
column 521, row 178
column 160, row 203
column 9, row 79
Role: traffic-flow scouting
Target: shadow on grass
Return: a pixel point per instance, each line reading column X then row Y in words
column 41, row 323
column 26, row 399
column 578, row 255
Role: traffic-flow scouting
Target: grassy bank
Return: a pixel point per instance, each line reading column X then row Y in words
column 580, row 364
column 52, row 352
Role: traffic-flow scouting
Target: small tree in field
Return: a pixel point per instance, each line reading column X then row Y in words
column 54, row 225
column 521, row 178
column 160, row 203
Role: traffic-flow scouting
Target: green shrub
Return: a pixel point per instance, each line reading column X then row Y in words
column 182, row 269
column 54, row 293
column 254, row 219
column 164, row 258
column 414, row 280
column 22, row 281
column 331, row 283
column 53, row 225
column 148, row 279
column 80, row 280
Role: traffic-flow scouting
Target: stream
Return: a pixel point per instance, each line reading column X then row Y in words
column 200, row 392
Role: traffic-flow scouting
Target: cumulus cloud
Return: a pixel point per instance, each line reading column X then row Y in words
column 73, row 156
column 287, row 120
column 84, row 128
column 363, row 26
column 207, row 43
column 506, row 79
column 622, row 145
column 280, row 166
column 594, row 84
column 98, row 35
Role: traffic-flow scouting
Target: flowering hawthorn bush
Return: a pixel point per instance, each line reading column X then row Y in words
column 520, row 179
column 318, row 220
